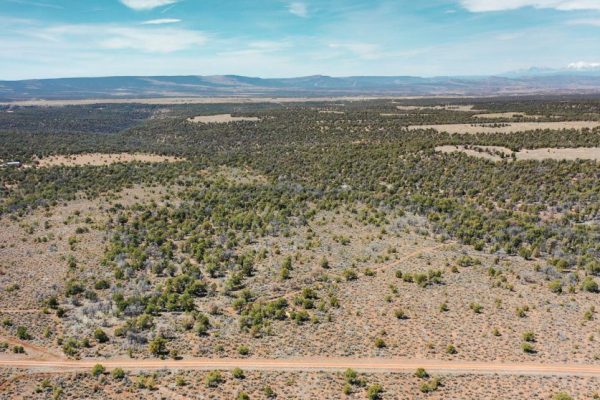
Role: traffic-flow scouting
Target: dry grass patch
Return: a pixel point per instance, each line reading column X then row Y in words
column 98, row 159
column 508, row 127
column 448, row 107
column 506, row 115
column 220, row 119
column 497, row 153
column 579, row 153
column 331, row 112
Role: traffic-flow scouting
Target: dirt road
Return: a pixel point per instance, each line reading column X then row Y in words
column 315, row 364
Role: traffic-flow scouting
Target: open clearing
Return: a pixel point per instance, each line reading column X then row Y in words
column 581, row 153
column 220, row 119
column 508, row 127
column 506, row 115
column 449, row 107
column 496, row 153
column 98, row 159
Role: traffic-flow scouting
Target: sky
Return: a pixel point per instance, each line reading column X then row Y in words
column 285, row 38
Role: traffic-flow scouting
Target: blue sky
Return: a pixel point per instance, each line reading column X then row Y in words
column 281, row 38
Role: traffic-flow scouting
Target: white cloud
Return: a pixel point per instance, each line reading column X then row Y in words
column 500, row 5
column 117, row 37
column 581, row 65
column 367, row 51
column 146, row 4
column 152, row 40
column 588, row 21
column 257, row 48
column 299, row 9
column 161, row 21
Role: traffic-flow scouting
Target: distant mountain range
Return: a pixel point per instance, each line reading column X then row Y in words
column 531, row 81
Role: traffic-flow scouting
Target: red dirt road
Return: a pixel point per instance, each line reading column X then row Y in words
column 316, row 364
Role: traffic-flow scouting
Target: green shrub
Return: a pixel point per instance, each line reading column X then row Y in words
column 268, row 392
column 431, row 386
column 556, row 286
column 561, row 396
column 529, row 336
column 528, row 348
column 476, row 307
column 244, row 350
column 421, row 373
column 101, row 284
column 238, row 373
column 158, row 346
column 118, row 373
column 589, row 285
column 242, row 396
column 100, row 335
column 374, row 391
column 350, row 275
column 450, row 349
column 213, row 379
column 22, row 333
column 98, row 369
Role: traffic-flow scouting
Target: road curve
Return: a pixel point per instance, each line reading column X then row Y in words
column 316, row 364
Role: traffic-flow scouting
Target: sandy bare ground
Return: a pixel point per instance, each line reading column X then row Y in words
column 98, row 159
column 493, row 153
column 509, row 128
column 220, row 119
column 449, row 107
column 316, row 364
column 582, row 153
column 506, row 115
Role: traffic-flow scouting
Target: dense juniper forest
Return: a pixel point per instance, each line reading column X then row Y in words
column 310, row 158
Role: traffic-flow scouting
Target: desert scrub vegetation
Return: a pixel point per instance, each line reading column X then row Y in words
column 242, row 226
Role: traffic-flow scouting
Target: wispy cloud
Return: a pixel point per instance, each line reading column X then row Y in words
column 299, row 9
column 161, row 21
column 261, row 47
column 154, row 40
column 36, row 4
column 585, row 21
column 117, row 37
column 147, row 4
column 581, row 65
column 367, row 51
column 501, row 5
